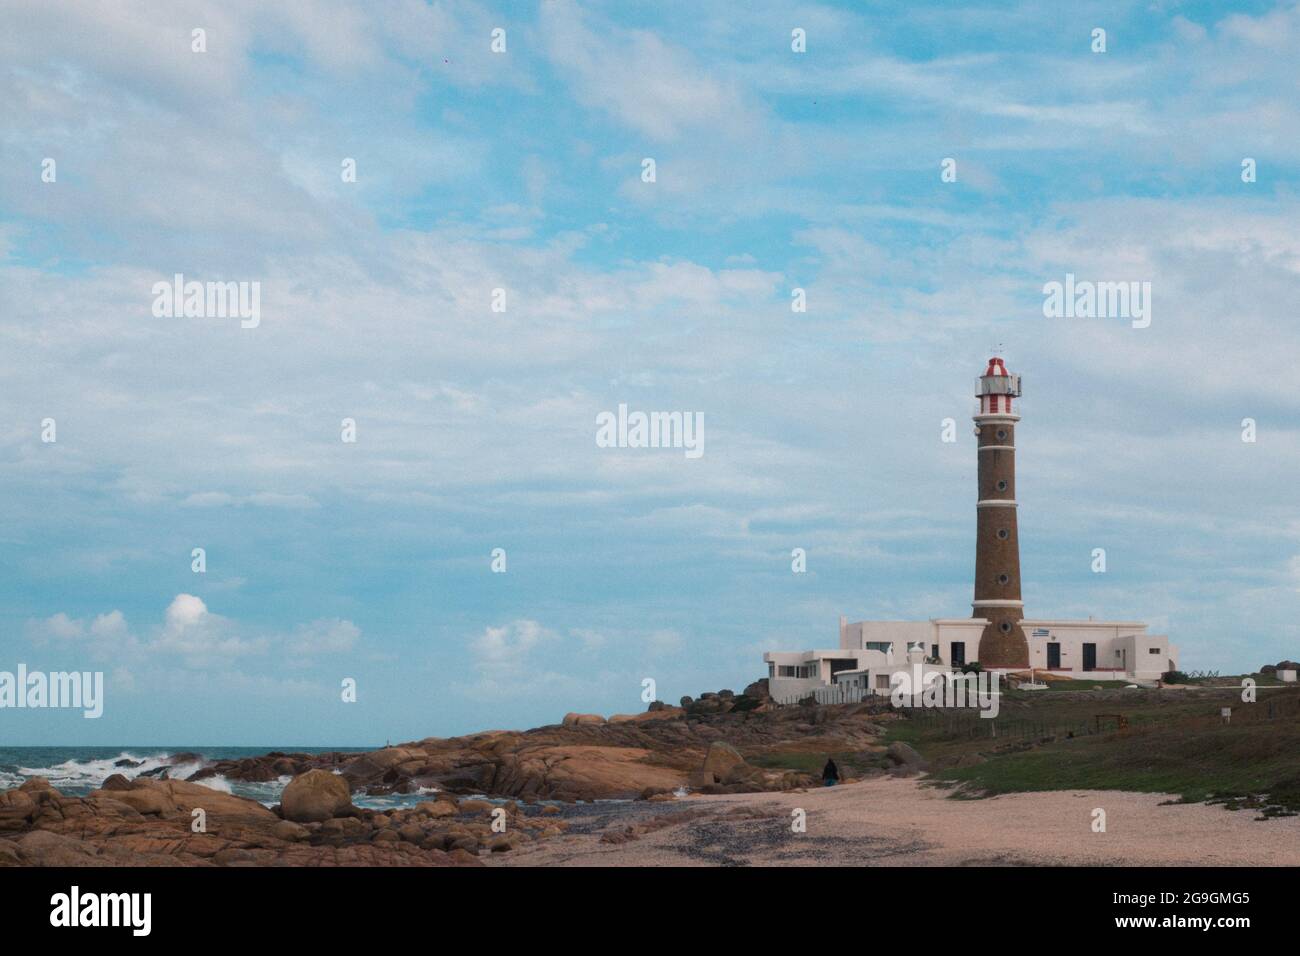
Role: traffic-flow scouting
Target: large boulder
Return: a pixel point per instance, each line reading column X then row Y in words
column 721, row 758
column 315, row 796
column 905, row 755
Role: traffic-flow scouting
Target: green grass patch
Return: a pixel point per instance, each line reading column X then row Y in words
column 1173, row 745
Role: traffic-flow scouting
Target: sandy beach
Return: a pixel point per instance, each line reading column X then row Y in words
column 901, row 822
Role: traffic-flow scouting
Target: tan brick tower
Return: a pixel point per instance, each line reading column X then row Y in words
column 997, row 546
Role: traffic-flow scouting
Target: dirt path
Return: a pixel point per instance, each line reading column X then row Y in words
column 893, row 822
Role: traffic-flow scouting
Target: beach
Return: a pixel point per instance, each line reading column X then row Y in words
column 891, row 821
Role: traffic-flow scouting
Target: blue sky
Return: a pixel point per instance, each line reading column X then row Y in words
column 522, row 170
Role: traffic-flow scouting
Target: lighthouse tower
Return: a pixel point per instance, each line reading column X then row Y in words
column 997, row 546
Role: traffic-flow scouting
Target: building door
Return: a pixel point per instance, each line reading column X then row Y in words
column 1090, row 657
column 1053, row 656
column 958, row 653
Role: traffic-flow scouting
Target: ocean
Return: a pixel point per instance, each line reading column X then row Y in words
column 76, row 771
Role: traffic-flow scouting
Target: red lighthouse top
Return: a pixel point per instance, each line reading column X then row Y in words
column 997, row 387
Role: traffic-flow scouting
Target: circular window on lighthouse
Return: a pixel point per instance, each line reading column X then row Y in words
column 1003, row 579
column 1002, row 434
column 1005, row 627
column 1003, row 533
column 1002, row 486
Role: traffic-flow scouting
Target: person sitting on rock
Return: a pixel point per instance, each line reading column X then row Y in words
column 830, row 773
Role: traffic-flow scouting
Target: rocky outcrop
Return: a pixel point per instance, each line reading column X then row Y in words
column 152, row 823
column 587, row 757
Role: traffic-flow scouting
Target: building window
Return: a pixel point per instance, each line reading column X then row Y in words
column 883, row 646
column 1002, row 486
column 1003, row 533
column 1003, row 579
column 1002, row 434
column 1153, row 650
column 958, row 653
column 1005, row 627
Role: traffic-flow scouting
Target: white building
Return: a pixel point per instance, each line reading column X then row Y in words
column 871, row 652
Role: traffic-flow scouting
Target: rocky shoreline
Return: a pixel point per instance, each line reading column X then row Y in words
column 714, row 745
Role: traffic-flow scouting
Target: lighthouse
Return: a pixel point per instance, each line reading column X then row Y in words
column 997, row 545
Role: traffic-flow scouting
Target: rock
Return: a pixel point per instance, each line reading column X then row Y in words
column 411, row 834
column 574, row 720
column 686, row 702
column 386, row 835
column 316, row 795
column 115, row 782
column 44, row 848
column 905, row 755
column 721, row 758
column 231, row 855
column 587, row 772
column 475, row 806
column 16, row 810
column 437, row 808
column 290, row 831
column 551, row 810
column 36, row 783
column 758, row 690
column 143, row 800
column 700, row 779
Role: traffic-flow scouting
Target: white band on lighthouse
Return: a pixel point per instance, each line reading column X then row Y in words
column 997, row 603
column 997, row 503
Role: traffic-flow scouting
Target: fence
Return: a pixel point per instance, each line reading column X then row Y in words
column 830, row 694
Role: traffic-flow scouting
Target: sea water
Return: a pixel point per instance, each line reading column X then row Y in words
column 75, row 771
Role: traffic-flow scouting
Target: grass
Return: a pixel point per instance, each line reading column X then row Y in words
column 1174, row 744
column 807, row 762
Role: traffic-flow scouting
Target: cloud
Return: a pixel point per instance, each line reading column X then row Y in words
column 192, row 636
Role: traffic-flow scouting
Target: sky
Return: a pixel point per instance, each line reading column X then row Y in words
column 523, row 171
